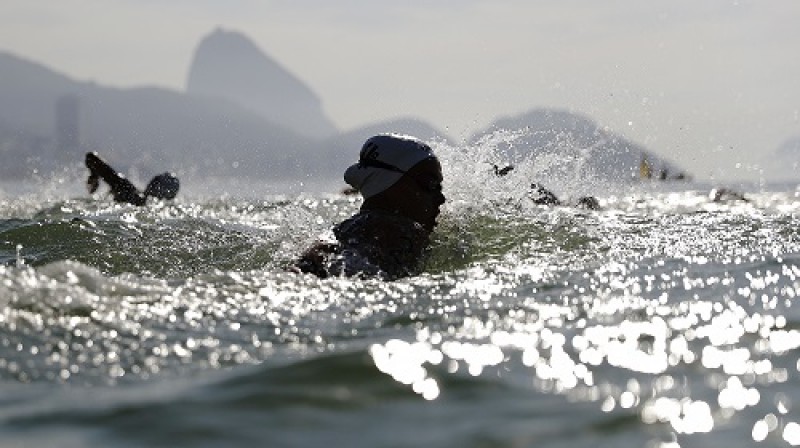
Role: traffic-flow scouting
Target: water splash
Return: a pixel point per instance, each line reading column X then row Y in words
column 664, row 312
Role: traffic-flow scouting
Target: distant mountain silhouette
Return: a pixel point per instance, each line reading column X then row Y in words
column 228, row 65
column 220, row 129
column 27, row 91
column 571, row 144
column 144, row 128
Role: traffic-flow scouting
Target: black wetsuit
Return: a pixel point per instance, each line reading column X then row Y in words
column 371, row 243
column 121, row 188
column 543, row 196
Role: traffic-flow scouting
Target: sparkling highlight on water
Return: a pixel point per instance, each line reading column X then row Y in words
column 661, row 316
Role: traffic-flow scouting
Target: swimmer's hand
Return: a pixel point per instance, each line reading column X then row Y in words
column 92, row 183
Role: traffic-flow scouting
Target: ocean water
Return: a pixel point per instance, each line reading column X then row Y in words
column 662, row 320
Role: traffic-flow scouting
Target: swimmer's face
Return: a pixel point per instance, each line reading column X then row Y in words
column 419, row 193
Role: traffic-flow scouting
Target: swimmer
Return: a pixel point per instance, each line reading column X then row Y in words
column 163, row 186
column 400, row 180
column 540, row 195
column 500, row 172
column 726, row 195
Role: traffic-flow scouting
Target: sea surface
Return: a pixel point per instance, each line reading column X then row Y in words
column 664, row 319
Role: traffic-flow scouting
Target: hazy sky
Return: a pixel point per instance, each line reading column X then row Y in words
column 713, row 85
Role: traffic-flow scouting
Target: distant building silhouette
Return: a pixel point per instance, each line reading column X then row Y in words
column 67, row 124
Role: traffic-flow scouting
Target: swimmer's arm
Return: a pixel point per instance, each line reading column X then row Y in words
column 121, row 188
column 312, row 261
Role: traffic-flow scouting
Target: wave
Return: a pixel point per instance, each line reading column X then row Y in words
column 338, row 398
column 176, row 324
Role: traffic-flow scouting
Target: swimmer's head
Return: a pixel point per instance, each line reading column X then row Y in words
column 163, row 186
column 383, row 161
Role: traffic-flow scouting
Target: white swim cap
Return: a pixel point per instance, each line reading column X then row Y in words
column 383, row 160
